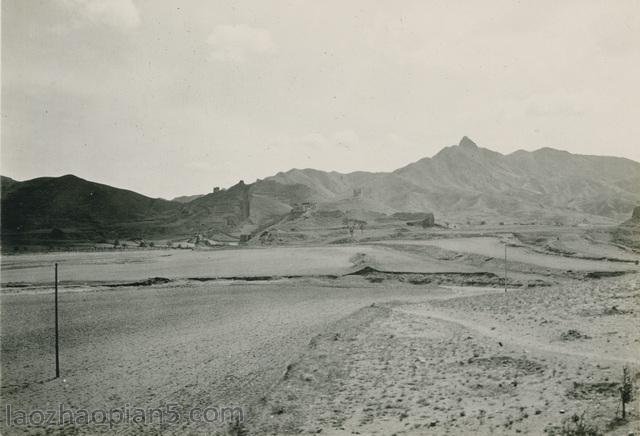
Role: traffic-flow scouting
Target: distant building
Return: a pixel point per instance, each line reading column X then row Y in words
column 300, row 208
column 428, row 221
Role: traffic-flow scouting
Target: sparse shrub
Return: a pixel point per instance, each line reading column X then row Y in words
column 613, row 310
column 572, row 335
column 577, row 426
column 116, row 243
column 152, row 244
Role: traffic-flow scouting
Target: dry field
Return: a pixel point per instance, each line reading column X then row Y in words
column 424, row 341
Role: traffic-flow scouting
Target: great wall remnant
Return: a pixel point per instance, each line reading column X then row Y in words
column 231, row 207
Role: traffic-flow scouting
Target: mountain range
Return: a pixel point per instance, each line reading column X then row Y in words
column 460, row 183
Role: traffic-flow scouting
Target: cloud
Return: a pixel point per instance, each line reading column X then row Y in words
column 237, row 42
column 117, row 13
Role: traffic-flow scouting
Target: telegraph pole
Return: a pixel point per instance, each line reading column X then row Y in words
column 505, row 267
column 56, row 317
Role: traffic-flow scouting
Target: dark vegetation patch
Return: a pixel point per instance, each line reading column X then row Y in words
column 573, row 335
column 602, row 274
column 607, row 311
column 443, row 278
column 585, row 391
column 524, row 366
column 16, row 285
column 148, row 282
column 261, row 278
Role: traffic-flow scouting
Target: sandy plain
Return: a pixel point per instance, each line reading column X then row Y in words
column 406, row 337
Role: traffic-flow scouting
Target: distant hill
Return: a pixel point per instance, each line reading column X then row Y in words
column 73, row 206
column 461, row 183
column 7, row 184
column 187, row 198
column 68, row 209
column 465, row 180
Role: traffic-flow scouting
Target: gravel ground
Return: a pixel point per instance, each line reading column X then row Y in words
column 346, row 355
column 480, row 364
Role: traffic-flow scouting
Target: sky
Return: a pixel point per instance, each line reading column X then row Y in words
column 173, row 98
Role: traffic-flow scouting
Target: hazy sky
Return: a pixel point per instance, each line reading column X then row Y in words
column 169, row 98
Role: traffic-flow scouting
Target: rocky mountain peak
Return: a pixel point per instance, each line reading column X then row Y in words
column 467, row 143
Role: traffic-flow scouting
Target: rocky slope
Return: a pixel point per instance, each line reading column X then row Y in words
column 465, row 180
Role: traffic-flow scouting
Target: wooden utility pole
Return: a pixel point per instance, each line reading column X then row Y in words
column 56, row 310
column 505, row 267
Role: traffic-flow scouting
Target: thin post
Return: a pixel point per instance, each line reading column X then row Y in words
column 56, row 310
column 505, row 267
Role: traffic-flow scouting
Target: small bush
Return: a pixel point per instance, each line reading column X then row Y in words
column 572, row 335
column 577, row 426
